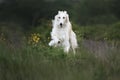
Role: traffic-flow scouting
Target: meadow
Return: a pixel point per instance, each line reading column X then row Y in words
column 25, row 55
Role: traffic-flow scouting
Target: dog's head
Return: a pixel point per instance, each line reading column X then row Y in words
column 62, row 18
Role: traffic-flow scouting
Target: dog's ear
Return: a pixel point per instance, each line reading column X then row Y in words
column 65, row 12
column 53, row 21
column 67, row 18
column 55, row 17
column 59, row 12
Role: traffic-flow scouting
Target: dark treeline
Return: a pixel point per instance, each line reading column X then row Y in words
column 30, row 12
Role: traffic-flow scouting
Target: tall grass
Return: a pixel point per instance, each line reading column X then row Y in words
column 41, row 62
column 52, row 64
column 32, row 64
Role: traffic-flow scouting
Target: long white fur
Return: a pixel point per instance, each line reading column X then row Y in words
column 62, row 34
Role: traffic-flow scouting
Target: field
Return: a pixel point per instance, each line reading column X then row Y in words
column 25, row 55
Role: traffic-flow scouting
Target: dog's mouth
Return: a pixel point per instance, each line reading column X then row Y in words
column 61, row 26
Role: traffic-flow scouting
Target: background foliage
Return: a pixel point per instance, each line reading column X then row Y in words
column 30, row 12
column 25, row 27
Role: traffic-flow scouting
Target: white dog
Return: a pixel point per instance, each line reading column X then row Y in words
column 62, row 34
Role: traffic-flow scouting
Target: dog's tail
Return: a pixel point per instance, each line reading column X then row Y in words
column 73, row 41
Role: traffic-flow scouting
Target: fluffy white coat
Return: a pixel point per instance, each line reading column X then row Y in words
column 62, row 34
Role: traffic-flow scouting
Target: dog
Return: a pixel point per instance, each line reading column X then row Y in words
column 62, row 34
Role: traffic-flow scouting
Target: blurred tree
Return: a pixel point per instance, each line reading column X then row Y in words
column 89, row 10
column 30, row 12
column 115, row 7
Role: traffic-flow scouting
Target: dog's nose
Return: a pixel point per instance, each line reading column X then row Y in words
column 60, row 24
column 58, row 42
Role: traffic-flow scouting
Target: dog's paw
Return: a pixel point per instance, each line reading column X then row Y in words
column 50, row 44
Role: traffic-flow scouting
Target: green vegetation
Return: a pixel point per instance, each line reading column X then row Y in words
column 27, row 56
column 47, row 64
column 25, row 27
column 30, row 12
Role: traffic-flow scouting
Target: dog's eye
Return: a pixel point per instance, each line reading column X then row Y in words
column 59, row 17
column 63, row 17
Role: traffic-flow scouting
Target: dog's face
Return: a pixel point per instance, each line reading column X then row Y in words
column 62, row 18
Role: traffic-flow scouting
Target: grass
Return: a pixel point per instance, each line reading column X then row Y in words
column 28, row 64
column 38, row 61
column 52, row 64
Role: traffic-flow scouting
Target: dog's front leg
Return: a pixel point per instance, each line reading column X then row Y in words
column 52, row 43
column 54, row 40
column 66, row 46
column 66, row 43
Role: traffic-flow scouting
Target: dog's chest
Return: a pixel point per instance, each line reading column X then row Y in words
column 62, row 33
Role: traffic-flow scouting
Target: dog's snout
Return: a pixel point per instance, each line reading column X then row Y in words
column 60, row 24
column 58, row 42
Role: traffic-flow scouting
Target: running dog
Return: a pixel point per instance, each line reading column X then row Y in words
column 62, row 34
